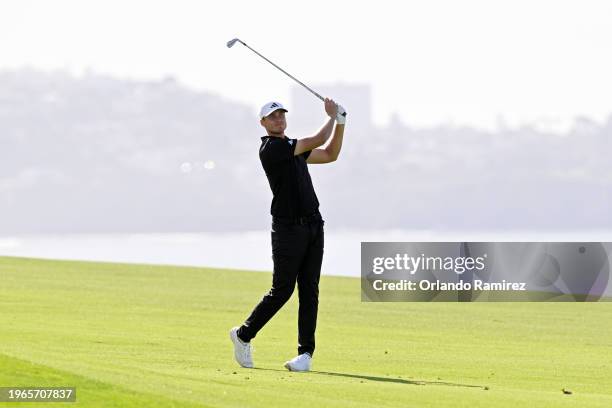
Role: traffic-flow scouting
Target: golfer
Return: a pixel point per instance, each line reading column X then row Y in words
column 297, row 228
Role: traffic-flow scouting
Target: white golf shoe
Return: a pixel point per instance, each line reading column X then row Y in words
column 303, row 362
column 242, row 350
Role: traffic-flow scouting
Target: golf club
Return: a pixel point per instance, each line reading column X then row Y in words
column 231, row 43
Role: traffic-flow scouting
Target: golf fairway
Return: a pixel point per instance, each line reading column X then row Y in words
column 157, row 336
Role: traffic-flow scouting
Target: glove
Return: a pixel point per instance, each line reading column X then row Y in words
column 341, row 116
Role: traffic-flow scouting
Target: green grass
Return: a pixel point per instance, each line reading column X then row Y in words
column 146, row 336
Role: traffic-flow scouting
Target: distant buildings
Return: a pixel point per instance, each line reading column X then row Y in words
column 98, row 154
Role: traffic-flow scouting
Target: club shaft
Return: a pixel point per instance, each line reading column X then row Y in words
column 285, row 72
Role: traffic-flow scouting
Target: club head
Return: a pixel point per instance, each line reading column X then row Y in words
column 231, row 43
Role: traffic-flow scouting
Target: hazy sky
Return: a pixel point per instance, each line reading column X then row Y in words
column 429, row 61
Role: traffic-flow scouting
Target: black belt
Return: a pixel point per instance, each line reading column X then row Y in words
column 305, row 219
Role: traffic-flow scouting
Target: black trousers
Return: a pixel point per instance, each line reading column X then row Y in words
column 297, row 251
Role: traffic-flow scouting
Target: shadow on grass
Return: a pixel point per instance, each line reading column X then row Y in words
column 384, row 379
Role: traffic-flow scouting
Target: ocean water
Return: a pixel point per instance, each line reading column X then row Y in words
column 250, row 250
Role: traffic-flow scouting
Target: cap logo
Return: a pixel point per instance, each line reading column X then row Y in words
column 274, row 105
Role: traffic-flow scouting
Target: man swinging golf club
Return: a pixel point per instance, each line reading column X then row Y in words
column 297, row 228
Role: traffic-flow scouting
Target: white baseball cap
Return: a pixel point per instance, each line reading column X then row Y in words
column 270, row 107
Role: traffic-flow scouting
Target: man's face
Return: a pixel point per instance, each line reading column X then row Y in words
column 275, row 123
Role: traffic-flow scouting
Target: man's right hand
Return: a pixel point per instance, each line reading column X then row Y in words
column 331, row 108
